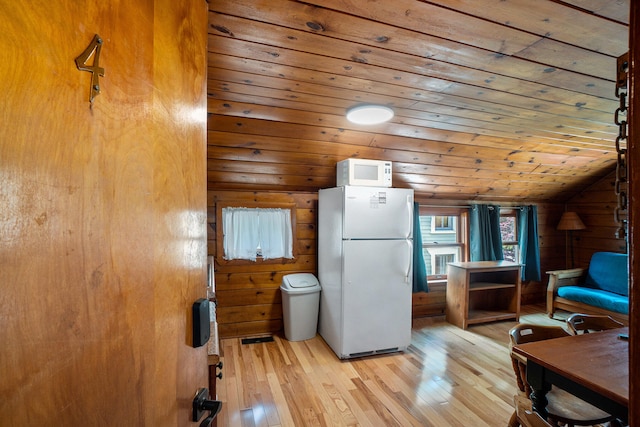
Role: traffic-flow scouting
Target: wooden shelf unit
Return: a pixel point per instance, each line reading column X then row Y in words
column 482, row 291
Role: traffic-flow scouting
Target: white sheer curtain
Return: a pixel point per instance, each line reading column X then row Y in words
column 275, row 233
column 241, row 233
column 248, row 230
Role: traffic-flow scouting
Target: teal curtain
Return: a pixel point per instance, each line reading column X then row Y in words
column 419, row 267
column 485, row 240
column 528, row 242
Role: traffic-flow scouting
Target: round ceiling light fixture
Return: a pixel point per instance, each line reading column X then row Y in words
column 369, row 114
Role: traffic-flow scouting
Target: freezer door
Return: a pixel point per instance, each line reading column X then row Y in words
column 377, row 213
column 376, row 296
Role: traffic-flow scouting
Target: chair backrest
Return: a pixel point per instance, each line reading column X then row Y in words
column 585, row 323
column 522, row 334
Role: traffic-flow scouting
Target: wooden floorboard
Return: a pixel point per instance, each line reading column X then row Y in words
column 447, row 377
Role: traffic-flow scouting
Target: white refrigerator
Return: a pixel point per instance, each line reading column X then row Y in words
column 365, row 255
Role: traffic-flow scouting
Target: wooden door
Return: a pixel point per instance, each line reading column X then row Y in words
column 102, row 212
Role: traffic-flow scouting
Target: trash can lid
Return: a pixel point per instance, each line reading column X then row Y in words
column 299, row 280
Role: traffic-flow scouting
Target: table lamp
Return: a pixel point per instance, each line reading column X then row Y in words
column 568, row 222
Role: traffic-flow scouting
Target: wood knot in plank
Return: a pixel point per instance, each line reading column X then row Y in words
column 315, row 26
column 223, row 30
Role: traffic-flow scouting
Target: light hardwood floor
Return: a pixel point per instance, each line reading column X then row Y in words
column 447, row 377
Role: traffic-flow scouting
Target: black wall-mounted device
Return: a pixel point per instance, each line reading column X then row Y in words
column 200, row 322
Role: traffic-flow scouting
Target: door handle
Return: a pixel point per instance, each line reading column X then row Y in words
column 201, row 404
column 410, row 209
column 408, row 278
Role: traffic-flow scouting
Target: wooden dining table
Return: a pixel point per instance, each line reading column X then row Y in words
column 593, row 367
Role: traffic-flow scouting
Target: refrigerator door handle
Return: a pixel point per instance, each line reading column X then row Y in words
column 410, row 212
column 407, row 278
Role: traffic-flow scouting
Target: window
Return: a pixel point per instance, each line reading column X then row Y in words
column 262, row 233
column 439, row 261
column 509, row 233
column 442, row 240
column 443, row 224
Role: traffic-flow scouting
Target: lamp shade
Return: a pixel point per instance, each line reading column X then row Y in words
column 570, row 221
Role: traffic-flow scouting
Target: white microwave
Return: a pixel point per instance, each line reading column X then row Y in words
column 370, row 173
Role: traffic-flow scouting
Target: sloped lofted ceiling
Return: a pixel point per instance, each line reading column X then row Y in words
column 494, row 100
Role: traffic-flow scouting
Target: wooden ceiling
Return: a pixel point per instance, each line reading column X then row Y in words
column 494, row 100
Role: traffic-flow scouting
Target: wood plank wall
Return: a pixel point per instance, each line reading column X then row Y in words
column 248, row 294
column 249, row 299
column 595, row 206
column 551, row 258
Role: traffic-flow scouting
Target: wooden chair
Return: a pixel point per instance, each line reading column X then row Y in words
column 585, row 323
column 563, row 407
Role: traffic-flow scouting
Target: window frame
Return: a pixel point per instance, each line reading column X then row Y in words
column 445, row 230
column 512, row 213
column 259, row 260
column 460, row 228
